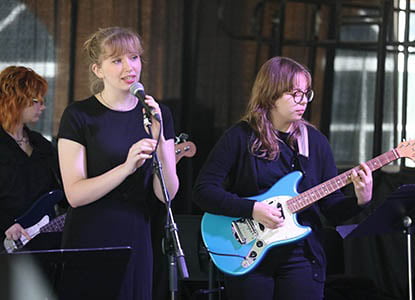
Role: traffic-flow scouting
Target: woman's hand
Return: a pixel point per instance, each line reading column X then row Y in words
column 267, row 215
column 139, row 153
column 363, row 184
column 15, row 232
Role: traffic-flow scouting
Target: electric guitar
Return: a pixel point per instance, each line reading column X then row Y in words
column 237, row 245
column 38, row 219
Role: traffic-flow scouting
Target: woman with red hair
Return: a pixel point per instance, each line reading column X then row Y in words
column 28, row 161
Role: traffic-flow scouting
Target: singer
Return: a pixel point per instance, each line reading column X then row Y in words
column 270, row 141
column 105, row 157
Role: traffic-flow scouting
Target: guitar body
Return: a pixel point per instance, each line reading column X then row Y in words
column 38, row 219
column 43, row 206
column 237, row 245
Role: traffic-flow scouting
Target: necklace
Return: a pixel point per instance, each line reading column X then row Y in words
column 22, row 141
column 133, row 104
column 103, row 100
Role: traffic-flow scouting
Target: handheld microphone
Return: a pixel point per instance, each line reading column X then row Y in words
column 137, row 89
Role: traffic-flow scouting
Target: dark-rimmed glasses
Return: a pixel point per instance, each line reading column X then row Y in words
column 40, row 101
column 298, row 95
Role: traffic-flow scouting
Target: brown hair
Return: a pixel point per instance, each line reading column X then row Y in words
column 107, row 42
column 276, row 76
column 18, row 87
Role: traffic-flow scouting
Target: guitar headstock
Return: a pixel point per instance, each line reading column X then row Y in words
column 187, row 149
column 406, row 149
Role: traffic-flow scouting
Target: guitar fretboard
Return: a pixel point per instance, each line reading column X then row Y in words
column 56, row 225
column 326, row 188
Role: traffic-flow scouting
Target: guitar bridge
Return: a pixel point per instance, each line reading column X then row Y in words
column 244, row 230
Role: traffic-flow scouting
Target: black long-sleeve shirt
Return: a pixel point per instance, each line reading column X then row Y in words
column 23, row 178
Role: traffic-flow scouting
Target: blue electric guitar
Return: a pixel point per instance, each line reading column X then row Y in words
column 39, row 218
column 237, row 245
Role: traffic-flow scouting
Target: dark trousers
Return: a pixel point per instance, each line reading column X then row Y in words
column 284, row 274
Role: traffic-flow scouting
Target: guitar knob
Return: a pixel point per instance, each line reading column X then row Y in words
column 259, row 244
column 253, row 254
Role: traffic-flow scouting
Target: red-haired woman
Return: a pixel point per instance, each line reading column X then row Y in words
column 28, row 162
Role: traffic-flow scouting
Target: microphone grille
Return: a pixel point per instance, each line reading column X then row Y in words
column 136, row 87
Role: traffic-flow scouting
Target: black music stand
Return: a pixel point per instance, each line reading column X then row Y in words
column 397, row 213
column 91, row 273
column 201, row 268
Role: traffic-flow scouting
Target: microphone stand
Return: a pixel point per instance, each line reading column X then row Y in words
column 172, row 244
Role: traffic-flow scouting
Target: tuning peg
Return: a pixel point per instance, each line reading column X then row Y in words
column 183, row 137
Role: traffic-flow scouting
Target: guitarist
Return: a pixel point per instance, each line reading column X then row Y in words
column 28, row 162
column 270, row 141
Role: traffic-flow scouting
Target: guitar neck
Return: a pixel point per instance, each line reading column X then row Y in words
column 326, row 188
column 56, row 225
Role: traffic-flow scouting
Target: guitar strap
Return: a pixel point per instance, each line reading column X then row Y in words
column 302, row 141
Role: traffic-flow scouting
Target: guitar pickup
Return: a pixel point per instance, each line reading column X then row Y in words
column 244, row 230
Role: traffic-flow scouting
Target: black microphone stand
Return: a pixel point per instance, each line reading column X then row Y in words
column 172, row 244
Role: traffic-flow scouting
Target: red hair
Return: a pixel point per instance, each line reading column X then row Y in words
column 18, row 87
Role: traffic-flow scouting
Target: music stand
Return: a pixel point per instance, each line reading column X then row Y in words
column 201, row 268
column 91, row 273
column 397, row 213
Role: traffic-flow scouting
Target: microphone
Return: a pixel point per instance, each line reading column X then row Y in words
column 137, row 89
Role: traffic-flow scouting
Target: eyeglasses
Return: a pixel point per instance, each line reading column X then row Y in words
column 40, row 101
column 298, row 95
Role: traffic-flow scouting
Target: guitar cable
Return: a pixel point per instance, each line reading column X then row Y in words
column 222, row 254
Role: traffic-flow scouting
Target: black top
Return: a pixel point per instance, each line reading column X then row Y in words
column 231, row 173
column 23, row 178
column 120, row 218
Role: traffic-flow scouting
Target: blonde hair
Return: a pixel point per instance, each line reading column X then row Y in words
column 107, row 42
column 276, row 76
column 18, row 86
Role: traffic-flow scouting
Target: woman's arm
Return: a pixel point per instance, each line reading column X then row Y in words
column 166, row 155
column 209, row 191
column 81, row 190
